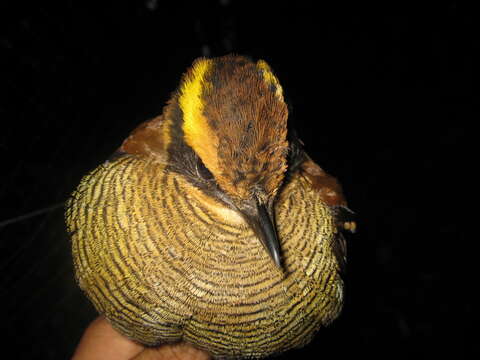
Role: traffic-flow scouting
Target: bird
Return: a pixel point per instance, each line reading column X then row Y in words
column 211, row 225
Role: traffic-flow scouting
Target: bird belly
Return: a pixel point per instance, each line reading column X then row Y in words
column 163, row 266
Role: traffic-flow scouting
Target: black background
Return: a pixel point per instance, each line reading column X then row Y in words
column 379, row 96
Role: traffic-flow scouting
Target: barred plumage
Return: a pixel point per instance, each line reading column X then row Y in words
column 166, row 261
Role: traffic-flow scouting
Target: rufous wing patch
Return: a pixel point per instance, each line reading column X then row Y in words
column 329, row 188
column 150, row 138
column 331, row 193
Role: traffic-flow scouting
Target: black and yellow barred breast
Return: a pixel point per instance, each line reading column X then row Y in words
column 163, row 264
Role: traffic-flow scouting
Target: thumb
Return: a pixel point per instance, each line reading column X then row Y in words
column 180, row 351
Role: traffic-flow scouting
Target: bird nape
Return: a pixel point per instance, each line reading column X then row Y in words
column 211, row 225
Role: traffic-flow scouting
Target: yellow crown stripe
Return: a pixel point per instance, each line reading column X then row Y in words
column 191, row 101
column 269, row 78
column 198, row 133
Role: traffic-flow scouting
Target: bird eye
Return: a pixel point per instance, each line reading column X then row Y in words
column 203, row 171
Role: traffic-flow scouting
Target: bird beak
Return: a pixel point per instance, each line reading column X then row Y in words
column 260, row 219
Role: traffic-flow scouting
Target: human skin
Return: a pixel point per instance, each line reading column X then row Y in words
column 101, row 342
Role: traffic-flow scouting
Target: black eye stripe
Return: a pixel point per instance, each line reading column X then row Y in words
column 203, row 171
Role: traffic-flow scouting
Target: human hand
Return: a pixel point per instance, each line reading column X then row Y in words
column 101, row 342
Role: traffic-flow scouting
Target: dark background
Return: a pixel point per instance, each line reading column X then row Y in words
column 380, row 102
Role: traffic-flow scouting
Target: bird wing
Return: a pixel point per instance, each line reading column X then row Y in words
column 330, row 192
column 149, row 138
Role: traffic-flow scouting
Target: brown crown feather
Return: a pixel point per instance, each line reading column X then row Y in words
column 251, row 123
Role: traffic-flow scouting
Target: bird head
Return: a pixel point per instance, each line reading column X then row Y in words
column 226, row 130
column 234, row 118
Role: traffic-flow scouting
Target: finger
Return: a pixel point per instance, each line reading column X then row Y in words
column 101, row 342
column 181, row 351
